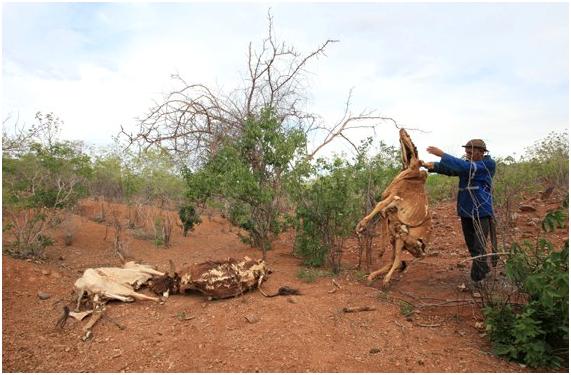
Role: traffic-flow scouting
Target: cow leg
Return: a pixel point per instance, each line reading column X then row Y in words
column 373, row 275
column 81, row 293
column 118, row 296
column 380, row 207
column 144, row 297
column 399, row 243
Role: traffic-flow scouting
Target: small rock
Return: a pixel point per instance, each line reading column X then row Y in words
column 479, row 325
column 67, row 349
column 374, row 350
column 61, row 257
column 420, row 362
column 292, row 299
column 462, row 287
column 43, row 295
column 460, row 265
column 252, row 318
column 45, row 272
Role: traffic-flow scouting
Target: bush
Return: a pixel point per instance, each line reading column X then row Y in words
column 327, row 213
column 441, row 188
column 248, row 172
column 28, row 229
column 39, row 183
column 189, row 218
column 537, row 331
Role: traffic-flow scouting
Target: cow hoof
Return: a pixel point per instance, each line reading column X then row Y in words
column 370, row 280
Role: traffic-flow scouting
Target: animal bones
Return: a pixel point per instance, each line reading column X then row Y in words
column 406, row 220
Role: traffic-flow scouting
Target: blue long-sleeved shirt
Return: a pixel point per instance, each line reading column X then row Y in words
column 475, row 185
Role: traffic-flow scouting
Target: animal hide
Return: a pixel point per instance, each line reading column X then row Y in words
column 406, row 221
column 215, row 279
column 107, row 283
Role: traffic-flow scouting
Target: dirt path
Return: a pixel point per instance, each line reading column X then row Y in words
column 289, row 334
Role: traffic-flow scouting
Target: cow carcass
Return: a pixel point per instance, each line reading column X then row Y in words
column 406, row 220
column 215, row 279
column 107, row 283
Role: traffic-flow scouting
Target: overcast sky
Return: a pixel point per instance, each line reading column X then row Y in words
column 457, row 71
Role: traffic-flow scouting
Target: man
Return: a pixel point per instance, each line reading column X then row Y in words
column 474, row 206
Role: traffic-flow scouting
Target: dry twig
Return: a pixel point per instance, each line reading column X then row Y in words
column 358, row 309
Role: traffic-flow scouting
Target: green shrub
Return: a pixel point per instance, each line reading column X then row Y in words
column 159, row 239
column 39, row 182
column 327, row 213
column 537, row 332
column 248, row 173
column 406, row 309
column 189, row 218
column 441, row 188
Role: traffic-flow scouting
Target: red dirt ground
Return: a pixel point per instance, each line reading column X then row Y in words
column 307, row 333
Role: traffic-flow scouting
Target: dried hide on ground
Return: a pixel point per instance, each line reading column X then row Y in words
column 215, row 279
column 107, row 283
column 406, row 220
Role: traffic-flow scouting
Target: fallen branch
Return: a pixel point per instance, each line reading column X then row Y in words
column 428, row 325
column 483, row 256
column 457, row 302
column 358, row 309
column 417, row 297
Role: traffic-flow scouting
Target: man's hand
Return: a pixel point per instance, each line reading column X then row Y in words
column 427, row 165
column 434, row 151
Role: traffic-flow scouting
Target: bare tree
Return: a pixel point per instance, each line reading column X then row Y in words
column 19, row 138
column 196, row 119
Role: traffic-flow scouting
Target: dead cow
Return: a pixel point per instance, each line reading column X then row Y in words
column 106, row 283
column 406, row 220
column 215, row 279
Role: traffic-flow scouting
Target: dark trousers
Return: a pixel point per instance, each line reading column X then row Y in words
column 476, row 233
